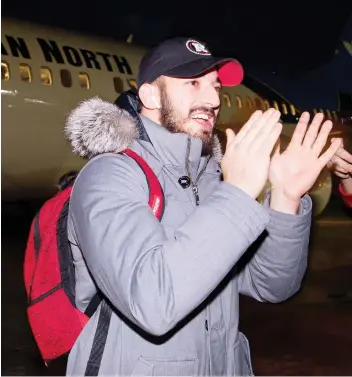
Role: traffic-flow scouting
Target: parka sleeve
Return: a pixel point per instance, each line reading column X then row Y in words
column 152, row 280
column 279, row 257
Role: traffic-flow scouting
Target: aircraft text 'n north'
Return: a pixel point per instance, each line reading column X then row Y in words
column 76, row 57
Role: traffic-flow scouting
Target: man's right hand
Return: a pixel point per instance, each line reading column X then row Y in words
column 247, row 157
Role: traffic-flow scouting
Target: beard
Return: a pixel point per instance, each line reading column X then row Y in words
column 175, row 123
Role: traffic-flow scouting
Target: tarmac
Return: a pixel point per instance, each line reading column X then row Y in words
column 310, row 334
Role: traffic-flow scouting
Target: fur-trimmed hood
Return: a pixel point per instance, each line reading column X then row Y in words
column 96, row 126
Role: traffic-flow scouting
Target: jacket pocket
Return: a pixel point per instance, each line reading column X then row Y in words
column 165, row 367
column 243, row 365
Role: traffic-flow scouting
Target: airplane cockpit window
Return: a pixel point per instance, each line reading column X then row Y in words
column 45, row 76
column 5, row 71
column 227, row 99
column 238, row 102
column 132, row 83
column 66, row 79
column 118, row 85
column 284, row 108
column 25, row 73
column 84, row 80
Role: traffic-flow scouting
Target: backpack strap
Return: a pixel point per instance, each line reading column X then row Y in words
column 157, row 204
column 93, row 305
column 156, row 194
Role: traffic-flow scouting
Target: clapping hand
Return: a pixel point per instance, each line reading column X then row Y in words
column 293, row 172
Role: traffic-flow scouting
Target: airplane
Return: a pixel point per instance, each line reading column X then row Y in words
column 46, row 72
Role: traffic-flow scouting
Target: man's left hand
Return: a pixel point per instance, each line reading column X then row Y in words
column 293, row 172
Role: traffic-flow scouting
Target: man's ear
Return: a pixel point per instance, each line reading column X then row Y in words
column 149, row 95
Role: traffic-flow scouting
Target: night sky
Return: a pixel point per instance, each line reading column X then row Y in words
column 285, row 37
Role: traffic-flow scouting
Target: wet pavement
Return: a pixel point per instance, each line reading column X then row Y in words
column 299, row 340
column 310, row 334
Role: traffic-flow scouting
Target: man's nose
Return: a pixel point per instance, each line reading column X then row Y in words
column 211, row 97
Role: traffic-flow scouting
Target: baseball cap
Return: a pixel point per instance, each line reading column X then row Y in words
column 184, row 57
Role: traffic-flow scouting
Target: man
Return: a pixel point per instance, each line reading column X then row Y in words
column 173, row 286
column 341, row 165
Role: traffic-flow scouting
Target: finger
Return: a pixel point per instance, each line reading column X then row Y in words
column 300, row 131
column 262, row 128
column 335, row 138
column 331, row 164
column 345, row 155
column 230, row 137
column 272, row 140
column 338, row 163
column 338, row 169
column 342, row 175
column 329, row 153
column 322, row 138
column 246, row 127
column 342, row 171
column 313, row 130
column 277, row 147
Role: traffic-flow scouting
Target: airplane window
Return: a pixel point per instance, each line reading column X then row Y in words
column 293, row 110
column 249, row 103
column 118, row 85
column 266, row 105
column 25, row 73
column 84, row 80
column 132, row 83
column 5, row 71
column 45, row 76
column 284, row 108
column 238, row 102
column 227, row 100
column 275, row 105
column 66, row 79
column 258, row 103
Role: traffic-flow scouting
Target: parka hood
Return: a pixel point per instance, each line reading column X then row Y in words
column 96, row 126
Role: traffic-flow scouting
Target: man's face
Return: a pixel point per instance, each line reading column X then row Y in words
column 191, row 106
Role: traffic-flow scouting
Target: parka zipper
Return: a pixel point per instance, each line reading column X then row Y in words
column 196, row 196
column 194, row 184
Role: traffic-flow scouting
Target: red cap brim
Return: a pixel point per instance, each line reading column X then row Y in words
column 231, row 73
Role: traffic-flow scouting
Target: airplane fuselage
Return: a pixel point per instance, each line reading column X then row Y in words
column 46, row 72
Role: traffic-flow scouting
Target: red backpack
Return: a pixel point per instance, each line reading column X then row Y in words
column 49, row 272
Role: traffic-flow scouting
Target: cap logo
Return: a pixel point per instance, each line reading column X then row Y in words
column 196, row 47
